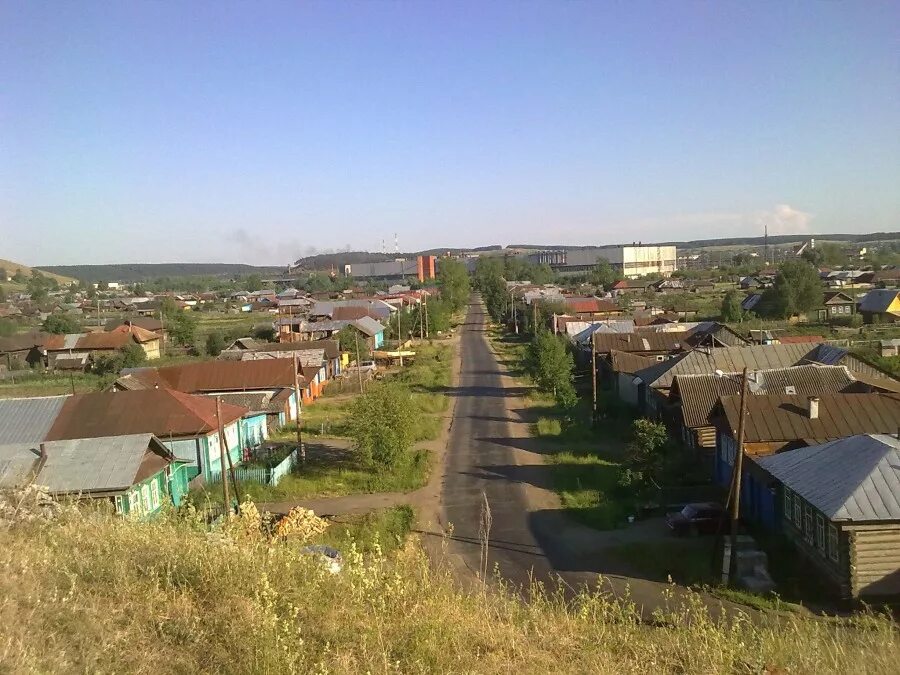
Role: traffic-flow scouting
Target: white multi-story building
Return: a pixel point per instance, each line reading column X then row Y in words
column 630, row 261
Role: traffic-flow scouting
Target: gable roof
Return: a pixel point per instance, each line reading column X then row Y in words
column 836, row 298
column 331, row 348
column 624, row 362
column 369, row 326
column 219, row 375
column 108, row 464
column 698, row 394
column 855, row 478
column 591, row 306
column 878, row 300
column 145, row 322
column 162, row 412
column 27, row 420
column 728, row 359
column 784, row 418
column 639, row 342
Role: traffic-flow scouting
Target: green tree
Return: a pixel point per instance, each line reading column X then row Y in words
column 19, row 277
column 61, row 324
column 551, row 367
column 168, row 308
column 813, row 256
column 264, row 332
column 731, row 306
column 797, row 289
column 382, row 425
column 253, row 283
column 350, row 339
column 7, row 327
column 453, row 279
column 182, row 328
column 215, row 343
column 131, row 356
column 107, row 364
column 604, row 275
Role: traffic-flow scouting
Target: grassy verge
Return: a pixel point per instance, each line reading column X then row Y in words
column 386, row 529
column 91, row 593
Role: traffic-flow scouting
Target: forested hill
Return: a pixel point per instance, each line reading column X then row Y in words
column 130, row 273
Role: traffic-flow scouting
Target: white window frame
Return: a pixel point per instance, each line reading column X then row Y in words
column 820, row 533
column 120, row 505
column 788, row 504
column 154, row 494
column 833, row 542
column 145, row 498
column 134, row 502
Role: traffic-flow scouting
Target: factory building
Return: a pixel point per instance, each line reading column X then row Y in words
column 630, row 261
column 422, row 267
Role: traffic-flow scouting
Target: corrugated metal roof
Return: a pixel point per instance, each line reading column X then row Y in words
column 307, row 357
column 784, row 418
column 855, row 478
column 332, row 347
column 220, row 375
column 369, row 326
column 703, row 361
column 27, row 420
column 639, row 342
column 698, row 394
column 623, row 362
column 255, row 401
column 878, row 300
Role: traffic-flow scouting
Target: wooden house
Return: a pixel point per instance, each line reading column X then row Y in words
column 880, row 305
column 840, row 507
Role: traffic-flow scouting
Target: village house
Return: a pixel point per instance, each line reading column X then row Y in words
column 657, row 345
column 137, row 473
column 146, row 323
column 880, row 305
column 80, row 349
column 778, row 423
column 840, row 507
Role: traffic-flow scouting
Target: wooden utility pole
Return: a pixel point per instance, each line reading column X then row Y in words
column 515, row 321
column 358, row 364
column 297, row 397
column 593, row 381
column 399, row 336
column 421, row 319
column 534, row 326
column 427, row 332
column 222, row 452
column 234, row 482
column 736, row 478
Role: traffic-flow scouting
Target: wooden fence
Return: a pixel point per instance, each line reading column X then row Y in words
column 261, row 474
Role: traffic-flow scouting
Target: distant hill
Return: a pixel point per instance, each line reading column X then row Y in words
column 130, row 273
column 11, row 268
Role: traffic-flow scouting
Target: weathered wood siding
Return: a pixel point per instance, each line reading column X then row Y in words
column 875, row 561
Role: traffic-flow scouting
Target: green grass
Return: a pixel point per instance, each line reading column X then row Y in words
column 388, row 528
column 587, row 487
column 330, row 478
column 39, row 383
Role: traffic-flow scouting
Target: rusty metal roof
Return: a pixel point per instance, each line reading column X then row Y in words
column 623, row 362
column 161, row 412
column 640, row 342
column 782, row 418
column 698, row 394
column 208, row 376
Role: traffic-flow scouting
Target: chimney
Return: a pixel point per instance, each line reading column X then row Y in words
column 43, row 452
column 813, row 409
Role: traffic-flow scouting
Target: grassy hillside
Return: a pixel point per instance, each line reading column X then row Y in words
column 91, row 593
column 11, row 268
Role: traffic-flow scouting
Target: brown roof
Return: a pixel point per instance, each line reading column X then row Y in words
column 698, row 394
column 640, row 342
column 591, row 306
column 341, row 313
column 161, row 412
column 784, row 418
column 145, row 322
column 220, row 375
column 624, row 362
column 22, row 341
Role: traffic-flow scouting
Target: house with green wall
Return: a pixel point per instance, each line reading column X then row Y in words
column 136, row 473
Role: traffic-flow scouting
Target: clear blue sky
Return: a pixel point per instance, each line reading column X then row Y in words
column 254, row 131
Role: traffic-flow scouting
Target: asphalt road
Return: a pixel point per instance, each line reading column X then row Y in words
column 481, row 467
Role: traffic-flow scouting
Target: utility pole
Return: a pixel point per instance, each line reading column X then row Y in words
column 593, row 381
column 297, row 397
column 534, row 326
column 427, row 332
column 515, row 322
column 358, row 369
column 421, row 319
column 399, row 335
column 222, row 452
column 736, row 479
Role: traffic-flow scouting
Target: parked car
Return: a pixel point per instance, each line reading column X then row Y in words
column 697, row 518
column 365, row 366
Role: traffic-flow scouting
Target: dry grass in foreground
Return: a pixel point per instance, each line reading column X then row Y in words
column 92, row 593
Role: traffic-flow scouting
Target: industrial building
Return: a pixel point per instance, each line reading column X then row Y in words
column 630, row 261
column 422, row 267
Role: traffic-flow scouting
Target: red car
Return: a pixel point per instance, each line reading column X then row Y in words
column 697, row 518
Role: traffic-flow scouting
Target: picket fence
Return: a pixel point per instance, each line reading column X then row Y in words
column 264, row 475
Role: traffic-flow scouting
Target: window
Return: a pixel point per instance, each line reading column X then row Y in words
column 134, row 503
column 119, row 504
column 808, row 525
column 145, row 498
column 798, row 512
column 154, row 493
column 833, row 543
column 787, row 503
column 820, row 533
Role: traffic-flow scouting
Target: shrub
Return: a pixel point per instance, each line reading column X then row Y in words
column 382, row 424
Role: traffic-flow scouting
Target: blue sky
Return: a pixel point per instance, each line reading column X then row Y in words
column 257, row 132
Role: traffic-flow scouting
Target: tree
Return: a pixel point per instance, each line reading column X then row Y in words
column 349, row 339
column 182, row 328
column 61, row 324
column 382, row 424
column 264, row 332
column 168, row 307
column 132, row 355
column 797, row 289
column 604, row 275
column 253, row 283
column 551, row 366
column 813, row 256
column 215, row 343
column 19, row 277
column 107, row 364
column 453, row 279
column 7, row 327
column 731, row 306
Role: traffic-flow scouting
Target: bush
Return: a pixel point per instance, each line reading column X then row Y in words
column 61, row 324
column 132, row 355
column 215, row 343
column 383, row 423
